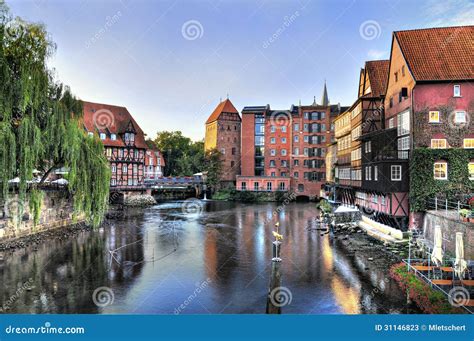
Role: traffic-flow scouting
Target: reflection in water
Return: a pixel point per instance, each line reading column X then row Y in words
column 157, row 261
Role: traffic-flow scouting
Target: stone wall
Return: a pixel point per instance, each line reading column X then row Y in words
column 56, row 211
column 449, row 227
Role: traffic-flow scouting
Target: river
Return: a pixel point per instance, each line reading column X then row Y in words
column 208, row 259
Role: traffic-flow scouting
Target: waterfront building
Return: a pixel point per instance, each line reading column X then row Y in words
column 285, row 150
column 421, row 98
column 154, row 163
column 223, row 132
column 124, row 142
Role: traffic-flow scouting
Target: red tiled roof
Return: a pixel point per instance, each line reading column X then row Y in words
column 445, row 53
column 111, row 119
column 377, row 71
column 225, row 106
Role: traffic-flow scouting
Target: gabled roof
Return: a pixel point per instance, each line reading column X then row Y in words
column 377, row 71
column 439, row 54
column 111, row 119
column 225, row 106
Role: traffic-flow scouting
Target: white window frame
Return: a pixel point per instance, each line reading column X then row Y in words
column 113, row 137
column 438, row 144
column 457, row 90
column 430, row 118
column 456, row 116
column 469, row 164
column 391, row 123
column 434, row 170
column 470, row 141
column 392, row 169
column 376, row 173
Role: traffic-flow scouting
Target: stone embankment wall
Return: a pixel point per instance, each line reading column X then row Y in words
column 56, row 211
column 449, row 227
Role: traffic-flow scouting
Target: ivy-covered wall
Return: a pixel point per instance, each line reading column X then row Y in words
column 422, row 183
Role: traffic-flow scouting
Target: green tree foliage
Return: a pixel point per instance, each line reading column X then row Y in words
column 40, row 123
column 424, row 186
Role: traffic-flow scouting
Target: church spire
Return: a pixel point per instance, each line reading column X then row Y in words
column 325, row 98
column 314, row 101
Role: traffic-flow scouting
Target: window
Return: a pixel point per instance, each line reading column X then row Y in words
column 102, row 136
column 471, row 170
column 283, row 152
column 403, row 123
column 269, row 186
column 282, row 186
column 243, row 186
column 440, row 170
column 403, row 147
column 120, row 153
column 296, row 127
column 460, row 117
column 306, row 138
column 255, row 186
column 130, row 182
column 114, row 168
column 375, row 199
column 403, row 70
column 468, row 143
column 434, row 116
column 296, row 151
column 382, row 200
column 296, row 162
column 396, row 173
column 272, row 129
column 222, row 151
column 272, row 163
column 283, row 129
column 391, row 123
column 396, row 76
column 300, row 188
column 108, row 152
column 296, row 175
column 273, row 174
column 234, row 150
column 368, row 146
column 272, row 152
column 113, row 137
column 272, row 140
column 391, row 102
column 124, row 169
column 457, row 91
column 438, row 143
column 283, row 140
column 135, row 169
column 376, row 173
column 232, row 163
column 297, row 138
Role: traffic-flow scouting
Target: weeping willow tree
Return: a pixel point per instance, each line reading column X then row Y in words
column 40, row 124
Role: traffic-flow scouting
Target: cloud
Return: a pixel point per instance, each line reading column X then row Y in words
column 377, row 54
column 449, row 13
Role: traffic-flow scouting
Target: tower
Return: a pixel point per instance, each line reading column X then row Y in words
column 324, row 97
column 223, row 129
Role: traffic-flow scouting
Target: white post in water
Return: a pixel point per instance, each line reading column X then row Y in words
column 204, row 185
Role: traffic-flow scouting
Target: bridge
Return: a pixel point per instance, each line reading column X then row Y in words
column 172, row 187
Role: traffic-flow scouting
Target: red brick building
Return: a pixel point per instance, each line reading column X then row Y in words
column 223, row 129
column 286, row 149
column 124, row 142
column 154, row 163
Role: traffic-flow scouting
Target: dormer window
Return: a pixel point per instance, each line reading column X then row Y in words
column 113, row 137
column 129, row 137
column 457, row 91
column 102, row 136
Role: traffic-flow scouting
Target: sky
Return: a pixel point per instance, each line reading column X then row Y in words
column 171, row 62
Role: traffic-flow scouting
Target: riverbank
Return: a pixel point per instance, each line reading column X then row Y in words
column 253, row 197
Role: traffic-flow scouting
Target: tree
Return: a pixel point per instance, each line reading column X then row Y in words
column 213, row 167
column 40, row 123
